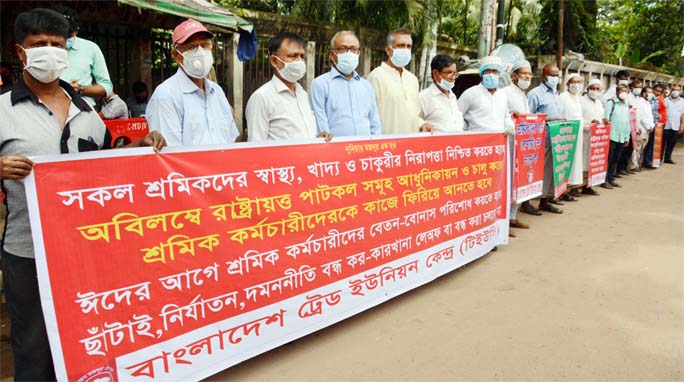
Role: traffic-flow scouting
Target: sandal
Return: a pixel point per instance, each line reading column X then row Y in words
column 556, row 202
column 530, row 209
column 552, row 209
column 518, row 224
column 567, row 198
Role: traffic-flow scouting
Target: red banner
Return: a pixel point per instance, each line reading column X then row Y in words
column 657, row 145
column 175, row 266
column 599, row 148
column 633, row 126
column 528, row 177
column 125, row 131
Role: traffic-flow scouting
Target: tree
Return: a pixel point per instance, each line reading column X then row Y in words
column 580, row 33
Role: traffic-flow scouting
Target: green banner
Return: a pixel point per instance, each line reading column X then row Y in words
column 563, row 146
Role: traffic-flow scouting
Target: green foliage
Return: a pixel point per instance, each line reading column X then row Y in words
column 525, row 34
column 579, row 27
column 454, row 12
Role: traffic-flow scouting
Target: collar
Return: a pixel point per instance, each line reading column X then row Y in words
column 21, row 92
column 336, row 73
column 280, row 86
column 75, row 45
column 386, row 66
column 187, row 86
column 436, row 91
column 548, row 89
column 487, row 90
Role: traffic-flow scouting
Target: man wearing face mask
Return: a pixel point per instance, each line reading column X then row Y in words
column 397, row 89
column 484, row 107
column 86, row 62
column 544, row 99
column 621, row 78
column 521, row 78
column 572, row 110
column 344, row 103
column 188, row 108
column 645, row 125
column 654, row 99
column 592, row 112
column 617, row 112
column 438, row 104
column 40, row 116
column 675, row 121
column 279, row 110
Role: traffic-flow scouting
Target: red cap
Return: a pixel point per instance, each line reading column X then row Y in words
column 186, row 29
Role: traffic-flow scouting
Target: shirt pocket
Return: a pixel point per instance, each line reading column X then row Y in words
column 221, row 126
column 86, row 145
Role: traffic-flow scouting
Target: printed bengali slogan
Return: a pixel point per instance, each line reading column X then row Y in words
column 188, row 262
column 528, row 175
column 599, row 147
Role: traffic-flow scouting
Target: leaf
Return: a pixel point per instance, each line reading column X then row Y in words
column 650, row 56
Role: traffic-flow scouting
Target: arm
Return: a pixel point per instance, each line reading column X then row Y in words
column 374, row 116
column 100, row 74
column 317, row 99
column 257, row 118
column 162, row 116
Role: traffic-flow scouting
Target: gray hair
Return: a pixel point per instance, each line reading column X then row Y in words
column 390, row 35
column 340, row 33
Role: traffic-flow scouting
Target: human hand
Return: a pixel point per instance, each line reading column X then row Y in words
column 16, row 167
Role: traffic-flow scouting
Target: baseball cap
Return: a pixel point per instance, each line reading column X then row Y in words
column 186, row 29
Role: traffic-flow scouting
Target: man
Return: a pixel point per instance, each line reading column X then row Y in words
column 279, row 110
column 188, row 108
column 344, row 103
column 138, row 103
column 438, row 104
column 521, row 78
column 484, row 107
column 87, row 71
column 621, row 77
column 396, row 89
column 114, row 108
column 544, row 99
column 624, row 165
column 40, row 116
column 572, row 111
column 654, row 100
column 617, row 112
column 6, row 77
column 592, row 112
column 675, row 121
column 646, row 125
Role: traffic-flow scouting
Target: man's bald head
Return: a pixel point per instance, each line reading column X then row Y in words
column 550, row 70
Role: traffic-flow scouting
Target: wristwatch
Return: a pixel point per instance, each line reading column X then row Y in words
column 80, row 90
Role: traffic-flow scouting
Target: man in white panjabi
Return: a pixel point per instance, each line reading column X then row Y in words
column 572, row 110
column 592, row 112
column 521, row 78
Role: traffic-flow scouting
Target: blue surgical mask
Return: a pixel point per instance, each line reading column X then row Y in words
column 401, row 57
column 650, row 96
column 347, row 62
column 446, row 85
column 70, row 42
column 490, row 81
column 552, row 81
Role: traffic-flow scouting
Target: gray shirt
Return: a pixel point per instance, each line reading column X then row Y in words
column 115, row 108
column 28, row 128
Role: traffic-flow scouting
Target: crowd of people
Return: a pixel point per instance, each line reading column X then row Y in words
column 49, row 110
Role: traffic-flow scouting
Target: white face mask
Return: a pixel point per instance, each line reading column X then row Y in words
column 622, row 96
column 636, row 91
column 197, row 62
column 446, row 85
column 292, row 71
column 593, row 94
column 524, row 84
column 575, row 88
column 45, row 63
column 675, row 94
column 623, row 82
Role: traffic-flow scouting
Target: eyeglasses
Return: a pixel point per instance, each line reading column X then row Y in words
column 449, row 74
column 345, row 49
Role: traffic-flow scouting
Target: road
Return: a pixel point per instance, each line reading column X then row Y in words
column 595, row 294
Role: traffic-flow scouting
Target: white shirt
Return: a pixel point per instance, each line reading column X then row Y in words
column 274, row 112
column 517, row 100
column 440, row 110
column 398, row 99
column 483, row 111
column 646, row 114
column 609, row 94
column 591, row 110
column 675, row 109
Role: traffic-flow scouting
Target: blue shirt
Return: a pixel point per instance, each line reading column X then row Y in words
column 654, row 108
column 618, row 115
column 186, row 116
column 344, row 106
column 544, row 100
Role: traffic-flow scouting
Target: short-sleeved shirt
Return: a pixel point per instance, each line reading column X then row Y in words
column 618, row 115
column 28, row 128
column 87, row 66
column 440, row 110
column 544, row 100
column 275, row 113
column 185, row 115
column 675, row 109
column 115, row 108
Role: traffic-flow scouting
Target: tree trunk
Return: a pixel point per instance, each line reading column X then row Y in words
column 484, row 37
